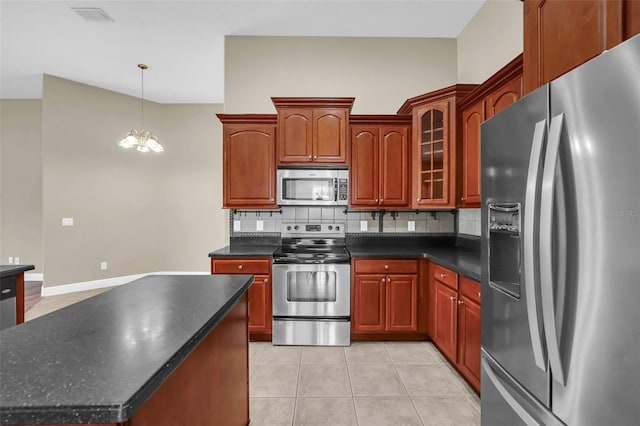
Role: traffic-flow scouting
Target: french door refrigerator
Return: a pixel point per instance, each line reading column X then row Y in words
column 561, row 250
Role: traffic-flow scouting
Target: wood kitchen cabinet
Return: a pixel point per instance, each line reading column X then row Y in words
column 379, row 161
column 384, row 296
column 559, row 35
column 248, row 144
column 260, row 302
column 312, row 130
column 497, row 93
column 436, row 127
column 455, row 320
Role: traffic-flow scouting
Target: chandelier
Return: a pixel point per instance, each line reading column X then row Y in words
column 143, row 140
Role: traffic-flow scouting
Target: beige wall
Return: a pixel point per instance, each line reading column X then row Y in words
column 140, row 213
column 21, row 181
column 491, row 39
column 381, row 73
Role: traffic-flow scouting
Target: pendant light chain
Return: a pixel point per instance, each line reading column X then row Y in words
column 142, row 68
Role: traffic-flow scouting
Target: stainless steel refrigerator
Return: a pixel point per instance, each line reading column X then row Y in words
column 561, row 250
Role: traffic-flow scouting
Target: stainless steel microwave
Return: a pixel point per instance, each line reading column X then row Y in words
column 313, row 186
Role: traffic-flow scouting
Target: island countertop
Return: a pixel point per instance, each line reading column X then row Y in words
column 99, row 360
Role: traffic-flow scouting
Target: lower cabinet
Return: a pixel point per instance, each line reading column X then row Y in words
column 455, row 320
column 260, row 318
column 384, row 297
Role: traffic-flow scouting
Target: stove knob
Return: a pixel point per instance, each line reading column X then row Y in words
column 289, row 228
column 337, row 228
column 296, row 227
column 331, row 227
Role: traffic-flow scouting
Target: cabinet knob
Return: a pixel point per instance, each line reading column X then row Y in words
column 452, row 298
column 309, row 157
column 443, row 276
column 383, row 279
column 381, row 200
column 417, row 199
column 460, row 302
column 386, row 266
column 240, row 266
column 315, row 157
column 376, row 200
column 462, row 198
column 479, row 295
column 388, row 280
column 266, row 280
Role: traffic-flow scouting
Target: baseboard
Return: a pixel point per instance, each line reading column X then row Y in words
column 33, row 277
column 107, row 282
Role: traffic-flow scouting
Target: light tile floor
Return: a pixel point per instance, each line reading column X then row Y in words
column 366, row 384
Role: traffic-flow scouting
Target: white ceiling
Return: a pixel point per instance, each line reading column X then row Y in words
column 182, row 41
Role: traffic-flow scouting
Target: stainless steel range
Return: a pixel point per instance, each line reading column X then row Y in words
column 312, row 286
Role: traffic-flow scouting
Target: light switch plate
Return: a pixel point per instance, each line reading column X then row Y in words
column 67, row 221
column 364, row 226
column 411, row 226
column 259, row 225
column 236, row 226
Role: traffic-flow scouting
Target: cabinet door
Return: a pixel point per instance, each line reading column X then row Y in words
column 402, row 303
column 330, row 135
column 469, row 340
column 445, row 320
column 472, row 117
column 394, row 166
column 295, row 140
column 260, row 305
column 559, row 35
column 368, row 313
column 249, row 147
column 364, row 166
column 431, row 156
column 505, row 95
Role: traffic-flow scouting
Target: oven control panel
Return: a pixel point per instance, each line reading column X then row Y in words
column 335, row 230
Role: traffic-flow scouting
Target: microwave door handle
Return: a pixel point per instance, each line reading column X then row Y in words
column 546, row 239
column 530, row 256
column 335, row 189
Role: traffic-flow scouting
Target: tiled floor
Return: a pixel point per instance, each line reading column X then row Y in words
column 366, row 384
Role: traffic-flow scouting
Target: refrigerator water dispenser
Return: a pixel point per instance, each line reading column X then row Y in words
column 505, row 260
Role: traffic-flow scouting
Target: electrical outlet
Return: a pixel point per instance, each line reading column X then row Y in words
column 259, row 225
column 364, row 226
column 67, row 221
column 103, row 266
column 16, row 260
column 411, row 226
column 236, row 226
column 10, row 260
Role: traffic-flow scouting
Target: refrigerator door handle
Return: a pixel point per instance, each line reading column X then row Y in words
column 546, row 244
column 530, row 255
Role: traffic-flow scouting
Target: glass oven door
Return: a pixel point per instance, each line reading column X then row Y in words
column 311, row 290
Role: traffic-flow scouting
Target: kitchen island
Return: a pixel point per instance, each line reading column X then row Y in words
column 160, row 350
column 15, row 273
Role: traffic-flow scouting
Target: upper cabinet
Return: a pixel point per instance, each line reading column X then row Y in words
column 497, row 93
column 436, row 124
column 379, row 161
column 559, row 35
column 312, row 130
column 248, row 144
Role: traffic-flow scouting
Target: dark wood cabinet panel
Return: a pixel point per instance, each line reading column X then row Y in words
column 379, row 161
column 504, row 96
column 369, row 303
column 402, row 303
column 260, row 318
column 445, row 324
column 313, row 130
column 471, row 120
column 364, row 169
column 469, row 339
column 249, row 145
column 559, row 35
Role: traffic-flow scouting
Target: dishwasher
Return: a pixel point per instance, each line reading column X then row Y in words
column 8, row 302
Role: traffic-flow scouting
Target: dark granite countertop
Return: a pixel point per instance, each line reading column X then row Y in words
column 6, row 270
column 258, row 250
column 97, row 361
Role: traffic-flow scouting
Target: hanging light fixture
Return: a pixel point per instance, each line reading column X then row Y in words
column 143, row 140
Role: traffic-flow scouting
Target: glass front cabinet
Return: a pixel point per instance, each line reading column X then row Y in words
column 435, row 124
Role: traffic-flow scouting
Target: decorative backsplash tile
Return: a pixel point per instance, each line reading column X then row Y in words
column 396, row 222
column 469, row 221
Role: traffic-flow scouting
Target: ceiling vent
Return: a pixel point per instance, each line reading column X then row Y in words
column 92, row 14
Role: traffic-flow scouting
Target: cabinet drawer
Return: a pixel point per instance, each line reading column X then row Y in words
column 445, row 276
column 385, row 266
column 241, row 266
column 470, row 288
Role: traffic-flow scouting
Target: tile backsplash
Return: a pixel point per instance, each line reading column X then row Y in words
column 469, row 221
column 243, row 222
